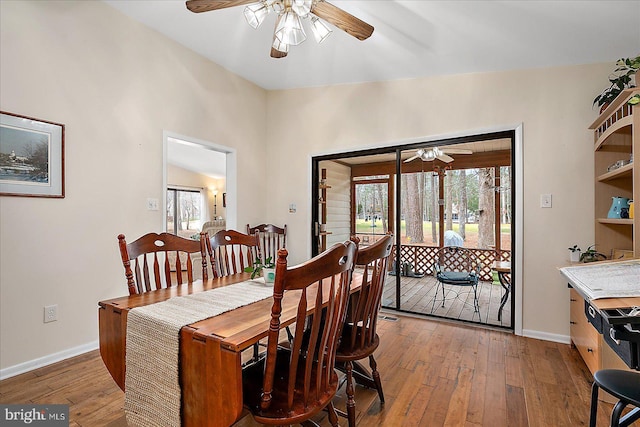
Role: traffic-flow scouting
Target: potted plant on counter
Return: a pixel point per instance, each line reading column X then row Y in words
column 622, row 78
column 266, row 268
column 574, row 254
column 591, row 255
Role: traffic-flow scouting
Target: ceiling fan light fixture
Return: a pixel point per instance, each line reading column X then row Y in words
column 255, row 14
column 428, row 155
column 302, row 7
column 289, row 29
column 279, row 46
column 320, row 30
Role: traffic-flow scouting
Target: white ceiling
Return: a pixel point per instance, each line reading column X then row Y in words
column 412, row 38
column 196, row 158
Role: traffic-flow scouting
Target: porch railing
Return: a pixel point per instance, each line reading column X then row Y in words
column 422, row 258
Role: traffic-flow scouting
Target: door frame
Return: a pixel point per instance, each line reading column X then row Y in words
column 512, row 131
column 231, row 212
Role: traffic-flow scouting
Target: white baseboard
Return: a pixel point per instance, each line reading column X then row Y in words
column 30, row 365
column 564, row 339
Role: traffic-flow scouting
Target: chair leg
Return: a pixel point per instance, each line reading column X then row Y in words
column 476, row 304
column 594, row 405
column 435, row 295
column 442, row 284
column 256, row 352
column 351, row 403
column 333, row 417
column 617, row 412
column 376, row 377
column 631, row 417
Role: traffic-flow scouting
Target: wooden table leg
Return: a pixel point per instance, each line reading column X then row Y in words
column 113, row 332
column 211, row 382
column 506, row 284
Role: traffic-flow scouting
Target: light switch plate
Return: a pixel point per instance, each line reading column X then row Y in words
column 545, row 200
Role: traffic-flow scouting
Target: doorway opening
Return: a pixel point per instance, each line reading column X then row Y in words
column 197, row 177
column 450, row 192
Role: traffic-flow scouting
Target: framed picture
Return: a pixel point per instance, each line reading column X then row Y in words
column 224, row 200
column 31, row 157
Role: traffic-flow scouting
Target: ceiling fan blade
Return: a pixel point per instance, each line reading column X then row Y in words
column 445, row 158
column 343, row 20
column 197, row 6
column 411, row 158
column 455, row 151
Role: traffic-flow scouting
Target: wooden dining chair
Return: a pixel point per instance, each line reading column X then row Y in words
column 271, row 237
column 159, row 260
column 292, row 384
column 230, row 252
column 359, row 338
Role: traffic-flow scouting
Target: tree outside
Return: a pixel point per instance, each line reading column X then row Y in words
column 469, row 206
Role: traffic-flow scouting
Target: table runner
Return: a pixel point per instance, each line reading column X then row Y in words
column 152, row 388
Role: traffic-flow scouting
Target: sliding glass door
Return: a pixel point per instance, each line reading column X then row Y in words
column 430, row 196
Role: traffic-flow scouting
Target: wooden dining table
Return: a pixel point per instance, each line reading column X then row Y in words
column 210, row 350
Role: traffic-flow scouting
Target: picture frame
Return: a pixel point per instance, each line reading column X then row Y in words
column 224, row 200
column 31, row 157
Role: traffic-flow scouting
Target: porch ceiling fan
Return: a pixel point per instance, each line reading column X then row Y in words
column 289, row 30
column 430, row 154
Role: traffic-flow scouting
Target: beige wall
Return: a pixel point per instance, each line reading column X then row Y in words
column 117, row 86
column 554, row 106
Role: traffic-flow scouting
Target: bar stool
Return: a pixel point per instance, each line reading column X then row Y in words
column 625, row 386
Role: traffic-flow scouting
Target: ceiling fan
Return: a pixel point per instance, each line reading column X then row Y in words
column 429, row 154
column 289, row 30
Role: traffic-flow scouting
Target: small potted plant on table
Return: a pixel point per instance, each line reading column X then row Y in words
column 266, row 268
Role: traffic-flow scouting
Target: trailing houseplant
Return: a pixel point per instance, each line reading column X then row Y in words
column 622, row 78
column 591, row 255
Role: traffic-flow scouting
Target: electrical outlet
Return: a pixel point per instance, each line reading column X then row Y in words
column 50, row 313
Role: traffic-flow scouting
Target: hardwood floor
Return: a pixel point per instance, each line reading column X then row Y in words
column 433, row 374
column 416, row 296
